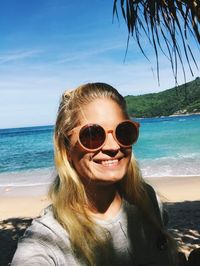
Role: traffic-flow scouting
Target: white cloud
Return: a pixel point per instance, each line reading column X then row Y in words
column 17, row 55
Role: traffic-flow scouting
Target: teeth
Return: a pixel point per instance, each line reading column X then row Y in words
column 109, row 162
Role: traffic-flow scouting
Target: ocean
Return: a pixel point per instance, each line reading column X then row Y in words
column 167, row 146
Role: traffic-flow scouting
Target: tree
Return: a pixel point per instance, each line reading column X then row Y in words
column 168, row 26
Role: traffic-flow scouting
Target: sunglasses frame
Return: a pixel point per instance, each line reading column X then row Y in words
column 136, row 125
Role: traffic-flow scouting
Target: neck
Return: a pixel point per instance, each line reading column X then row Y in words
column 104, row 200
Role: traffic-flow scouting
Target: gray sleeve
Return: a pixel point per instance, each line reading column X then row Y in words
column 33, row 253
column 45, row 243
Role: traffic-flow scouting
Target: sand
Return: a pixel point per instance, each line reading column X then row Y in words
column 177, row 189
column 24, row 201
column 181, row 197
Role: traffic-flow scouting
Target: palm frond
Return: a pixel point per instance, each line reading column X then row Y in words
column 168, row 23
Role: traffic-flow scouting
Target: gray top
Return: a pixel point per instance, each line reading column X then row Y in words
column 133, row 242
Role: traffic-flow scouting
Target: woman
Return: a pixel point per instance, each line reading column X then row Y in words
column 102, row 212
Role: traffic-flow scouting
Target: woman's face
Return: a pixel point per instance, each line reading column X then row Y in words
column 109, row 164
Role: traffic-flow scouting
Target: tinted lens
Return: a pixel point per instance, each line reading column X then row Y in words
column 126, row 133
column 92, row 136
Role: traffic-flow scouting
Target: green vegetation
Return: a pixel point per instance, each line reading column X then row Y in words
column 182, row 99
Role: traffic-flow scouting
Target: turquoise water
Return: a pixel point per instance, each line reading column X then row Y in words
column 169, row 146
column 26, row 148
column 166, row 146
column 175, row 136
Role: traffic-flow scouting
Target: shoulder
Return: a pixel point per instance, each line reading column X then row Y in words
column 46, row 228
column 43, row 242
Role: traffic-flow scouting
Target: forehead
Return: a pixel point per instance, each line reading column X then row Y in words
column 102, row 111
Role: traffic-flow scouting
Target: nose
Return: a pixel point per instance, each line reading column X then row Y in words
column 110, row 143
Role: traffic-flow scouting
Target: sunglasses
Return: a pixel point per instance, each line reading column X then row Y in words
column 93, row 136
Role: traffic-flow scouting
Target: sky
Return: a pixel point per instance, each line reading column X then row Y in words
column 48, row 46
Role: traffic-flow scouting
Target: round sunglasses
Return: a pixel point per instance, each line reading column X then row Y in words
column 93, row 136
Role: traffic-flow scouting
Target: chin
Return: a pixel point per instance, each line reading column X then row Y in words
column 108, row 178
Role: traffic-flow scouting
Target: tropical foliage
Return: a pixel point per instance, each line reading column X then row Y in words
column 168, row 26
column 179, row 100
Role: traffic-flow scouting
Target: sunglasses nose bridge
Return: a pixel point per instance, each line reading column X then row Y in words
column 110, row 141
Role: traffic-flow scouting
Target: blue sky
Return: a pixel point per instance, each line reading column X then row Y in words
column 48, row 46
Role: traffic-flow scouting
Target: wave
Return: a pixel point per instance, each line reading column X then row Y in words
column 36, row 177
column 170, row 166
column 24, row 185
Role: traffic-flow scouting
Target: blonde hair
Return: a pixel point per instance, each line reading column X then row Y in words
column 67, row 191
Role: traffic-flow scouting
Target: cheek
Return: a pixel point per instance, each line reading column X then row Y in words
column 127, row 152
column 79, row 158
column 75, row 151
column 83, row 167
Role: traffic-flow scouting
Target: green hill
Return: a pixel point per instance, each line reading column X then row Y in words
column 182, row 99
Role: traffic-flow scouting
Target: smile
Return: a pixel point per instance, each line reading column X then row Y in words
column 111, row 162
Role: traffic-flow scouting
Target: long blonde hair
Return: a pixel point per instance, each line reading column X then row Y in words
column 67, row 191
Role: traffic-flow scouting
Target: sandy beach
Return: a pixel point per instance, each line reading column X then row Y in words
column 181, row 197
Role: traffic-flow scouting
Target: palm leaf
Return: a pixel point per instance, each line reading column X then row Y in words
column 163, row 22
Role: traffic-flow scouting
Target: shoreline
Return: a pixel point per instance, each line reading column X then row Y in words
column 16, row 201
column 172, row 115
column 184, row 114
